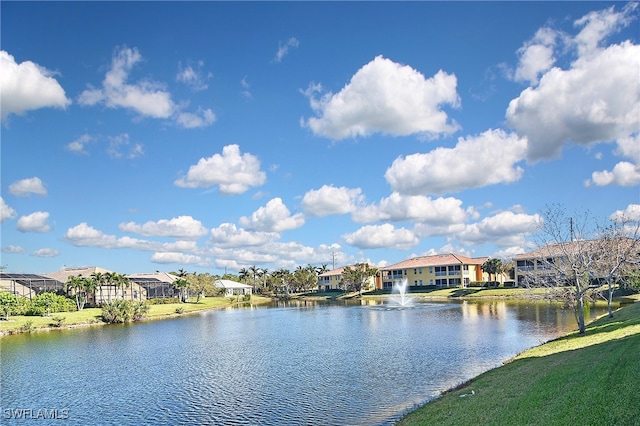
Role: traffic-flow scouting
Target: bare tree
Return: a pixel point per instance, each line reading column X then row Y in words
column 566, row 260
column 618, row 248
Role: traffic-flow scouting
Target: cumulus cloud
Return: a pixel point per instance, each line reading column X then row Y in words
column 145, row 97
column 27, row 86
column 178, row 227
column 503, row 229
column 232, row 171
column 415, row 208
column 330, row 200
column 273, row 217
column 379, row 236
column 536, row 56
column 632, row 212
column 385, row 97
column 474, row 162
column 46, row 252
column 26, row 187
column 228, row 235
column 6, row 212
column 34, row 222
column 624, row 173
column 597, row 99
column 283, row 48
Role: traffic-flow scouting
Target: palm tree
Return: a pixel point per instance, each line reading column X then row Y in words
column 181, row 284
column 243, row 275
column 254, row 271
column 493, row 266
column 99, row 279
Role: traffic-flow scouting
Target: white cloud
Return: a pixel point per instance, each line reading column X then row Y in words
column 121, row 147
column 194, row 76
column 190, row 120
column 233, row 172
column 503, row 229
column 34, row 222
column 228, row 235
column 12, row 249
column 632, row 212
column 177, row 227
column 26, row 187
column 330, row 200
column 536, row 56
column 145, row 97
column 78, row 146
column 274, row 217
column 27, row 86
column 597, row 99
column 382, row 236
column 283, row 49
column 623, row 174
column 474, row 162
column 245, row 88
column 415, row 208
column 179, row 258
column 6, row 212
column 385, row 97
column 46, row 252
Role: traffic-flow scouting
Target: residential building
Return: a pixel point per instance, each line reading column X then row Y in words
column 332, row 280
column 105, row 292
column 441, row 270
column 233, row 288
column 158, row 285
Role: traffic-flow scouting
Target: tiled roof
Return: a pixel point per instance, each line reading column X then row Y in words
column 86, row 271
column 437, row 260
column 160, row 276
column 339, row 271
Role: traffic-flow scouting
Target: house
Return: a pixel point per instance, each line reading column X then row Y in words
column 158, row 285
column 332, row 280
column 105, row 291
column 233, row 288
column 28, row 285
column 441, row 270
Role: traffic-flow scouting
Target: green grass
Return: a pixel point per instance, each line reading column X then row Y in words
column 89, row 316
column 590, row 380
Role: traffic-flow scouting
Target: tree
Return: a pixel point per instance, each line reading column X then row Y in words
column 357, row 277
column 182, row 285
column 566, row 260
column 243, row 275
column 81, row 288
column 493, row 266
column 8, row 301
column 254, row 271
column 100, row 279
column 618, row 251
column 200, row 284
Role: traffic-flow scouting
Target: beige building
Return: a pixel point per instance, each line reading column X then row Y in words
column 332, row 280
column 103, row 293
column 441, row 270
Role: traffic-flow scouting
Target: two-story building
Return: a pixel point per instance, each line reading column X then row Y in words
column 332, row 280
column 441, row 270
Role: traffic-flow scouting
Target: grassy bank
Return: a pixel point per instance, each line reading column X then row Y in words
column 92, row 316
column 592, row 380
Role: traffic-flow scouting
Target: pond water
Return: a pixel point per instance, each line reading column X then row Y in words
column 288, row 364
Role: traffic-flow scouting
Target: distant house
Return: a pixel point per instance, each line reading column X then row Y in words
column 441, row 270
column 233, row 288
column 332, row 280
column 28, row 285
column 104, row 293
column 158, row 285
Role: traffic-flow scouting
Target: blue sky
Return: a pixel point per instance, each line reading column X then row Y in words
column 213, row 136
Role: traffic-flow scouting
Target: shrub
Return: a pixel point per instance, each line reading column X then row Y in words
column 247, row 297
column 47, row 303
column 57, row 321
column 27, row 327
column 122, row 311
column 179, row 310
column 163, row 301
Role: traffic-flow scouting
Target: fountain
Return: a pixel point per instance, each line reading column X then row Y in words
column 399, row 293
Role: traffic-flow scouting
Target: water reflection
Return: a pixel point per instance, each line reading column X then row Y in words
column 294, row 363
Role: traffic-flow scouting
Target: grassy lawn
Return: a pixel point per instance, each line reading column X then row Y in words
column 592, row 380
column 93, row 315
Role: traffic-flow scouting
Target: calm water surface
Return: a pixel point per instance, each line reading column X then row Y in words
column 293, row 364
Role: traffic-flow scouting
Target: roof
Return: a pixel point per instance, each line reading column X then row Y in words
column 437, row 260
column 575, row 247
column 230, row 284
column 164, row 277
column 339, row 271
column 86, row 271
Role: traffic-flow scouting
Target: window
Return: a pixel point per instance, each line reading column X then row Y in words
column 420, row 271
column 454, row 270
column 431, row 269
column 415, row 271
column 441, row 270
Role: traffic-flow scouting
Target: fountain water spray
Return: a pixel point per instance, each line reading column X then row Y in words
column 400, row 289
